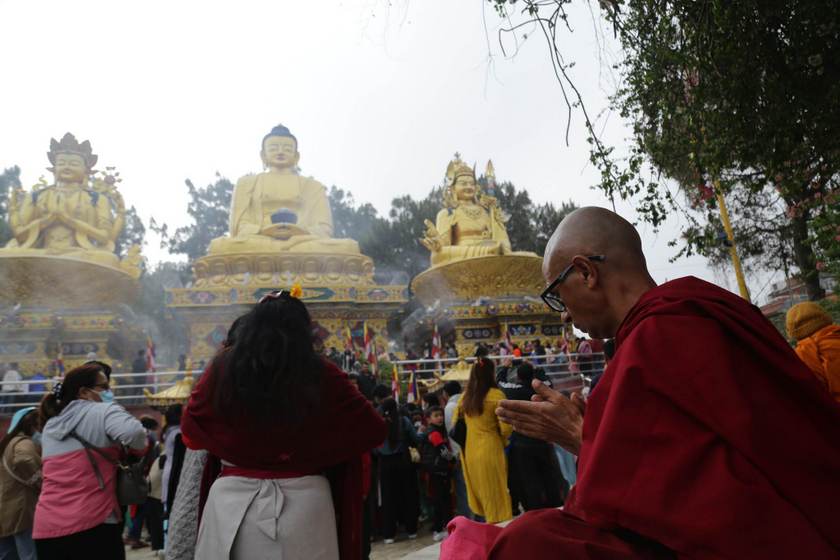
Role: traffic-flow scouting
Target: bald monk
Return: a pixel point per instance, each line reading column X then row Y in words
column 706, row 438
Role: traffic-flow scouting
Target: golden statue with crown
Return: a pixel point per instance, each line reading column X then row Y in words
column 71, row 216
column 67, row 230
column 61, row 277
column 477, row 284
column 471, row 224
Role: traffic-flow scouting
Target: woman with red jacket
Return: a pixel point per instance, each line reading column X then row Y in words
column 290, row 431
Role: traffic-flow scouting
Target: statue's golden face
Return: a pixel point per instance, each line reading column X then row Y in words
column 280, row 152
column 465, row 187
column 70, row 168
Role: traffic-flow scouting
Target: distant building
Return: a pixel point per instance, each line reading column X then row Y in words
column 791, row 291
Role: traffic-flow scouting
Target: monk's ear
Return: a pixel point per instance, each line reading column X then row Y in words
column 586, row 269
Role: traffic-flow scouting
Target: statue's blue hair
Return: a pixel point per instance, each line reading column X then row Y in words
column 282, row 131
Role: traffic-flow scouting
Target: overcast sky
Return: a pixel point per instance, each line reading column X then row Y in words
column 380, row 95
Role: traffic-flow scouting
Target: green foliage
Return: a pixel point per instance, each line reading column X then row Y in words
column 746, row 93
column 168, row 332
column 133, row 233
column 9, row 180
column 209, row 210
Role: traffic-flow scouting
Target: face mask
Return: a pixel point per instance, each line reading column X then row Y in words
column 36, row 438
column 107, row 396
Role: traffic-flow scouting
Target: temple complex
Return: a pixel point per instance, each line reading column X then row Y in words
column 64, row 285
column 281, row 234
column 476, row 284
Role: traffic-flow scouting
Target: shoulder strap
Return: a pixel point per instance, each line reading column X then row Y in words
column 88, row 447
column 33, row 481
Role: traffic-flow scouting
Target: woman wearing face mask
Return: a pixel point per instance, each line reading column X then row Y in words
column 20, row 481
column 75, row 518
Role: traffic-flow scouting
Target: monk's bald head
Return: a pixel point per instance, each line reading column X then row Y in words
column 594, row 231
column 595, row 290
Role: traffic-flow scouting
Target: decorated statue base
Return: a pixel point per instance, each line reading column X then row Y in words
column 209, row 311
column 36, row 278
column 283, row 269
column 480, row 297
column 61, row 302
column 33, row 337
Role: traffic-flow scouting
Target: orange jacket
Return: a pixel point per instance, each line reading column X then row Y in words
column 821, row 353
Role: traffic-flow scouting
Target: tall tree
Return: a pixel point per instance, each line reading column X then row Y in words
column 741, row 96
column 9, row 180
column 209, row 210
column 133, row 233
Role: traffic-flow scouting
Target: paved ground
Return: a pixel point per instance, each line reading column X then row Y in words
column 380, row 551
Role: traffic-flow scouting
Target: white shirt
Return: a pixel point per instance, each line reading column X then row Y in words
column 9, row 385
column 448, row 413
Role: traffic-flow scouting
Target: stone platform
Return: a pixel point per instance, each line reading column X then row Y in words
column 484, row 298
column 209, row 311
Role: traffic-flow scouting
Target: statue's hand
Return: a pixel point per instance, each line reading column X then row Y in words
column 432, row 239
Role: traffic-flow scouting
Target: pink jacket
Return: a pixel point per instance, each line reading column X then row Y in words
column 71, row 500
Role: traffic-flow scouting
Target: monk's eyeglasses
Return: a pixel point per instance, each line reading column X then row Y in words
column 551, row 299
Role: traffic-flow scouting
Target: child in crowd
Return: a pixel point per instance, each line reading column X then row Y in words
column 437, row 461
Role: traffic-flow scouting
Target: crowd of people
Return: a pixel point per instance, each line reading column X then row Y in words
column 707, row 436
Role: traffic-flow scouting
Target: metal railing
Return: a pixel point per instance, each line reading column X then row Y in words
column 566, row 372
column 127, row 390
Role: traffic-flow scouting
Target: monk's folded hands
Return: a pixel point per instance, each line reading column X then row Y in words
column 551, row 417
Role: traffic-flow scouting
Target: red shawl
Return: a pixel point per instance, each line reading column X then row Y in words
column 707, row 435
column 333, row 441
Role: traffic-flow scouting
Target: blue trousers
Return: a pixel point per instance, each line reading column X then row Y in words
column 19, row 546
column 462, row 504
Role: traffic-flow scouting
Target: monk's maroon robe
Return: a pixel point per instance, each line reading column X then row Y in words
column 706, row 435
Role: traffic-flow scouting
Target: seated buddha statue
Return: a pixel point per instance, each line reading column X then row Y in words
column 278, row 210
column 471, row 225
column 70, row 217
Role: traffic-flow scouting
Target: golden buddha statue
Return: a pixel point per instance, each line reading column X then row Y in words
column 278, row 210
column 71, row 217
column 471, row 225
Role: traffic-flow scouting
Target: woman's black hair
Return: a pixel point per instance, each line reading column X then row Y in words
column 173, row 415
column 270, row 372
column 105, row 368
column 27, row 425
column 381, row 391
column 393, row 418
column 67, row 390
column 525, row 372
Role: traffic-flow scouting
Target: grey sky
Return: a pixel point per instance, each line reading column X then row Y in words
column 379, row 96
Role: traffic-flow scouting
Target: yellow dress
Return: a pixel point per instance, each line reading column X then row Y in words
column 484, row 461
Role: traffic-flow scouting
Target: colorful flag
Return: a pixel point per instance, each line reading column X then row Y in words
column 436, row 348
column 348, row 343
column 150, row 355
column 508, row 340
column 370, row 350
column 412, row 395
column 395, row 384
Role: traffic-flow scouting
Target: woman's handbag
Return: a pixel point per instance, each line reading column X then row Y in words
column 132, row 486
column 458, row 433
